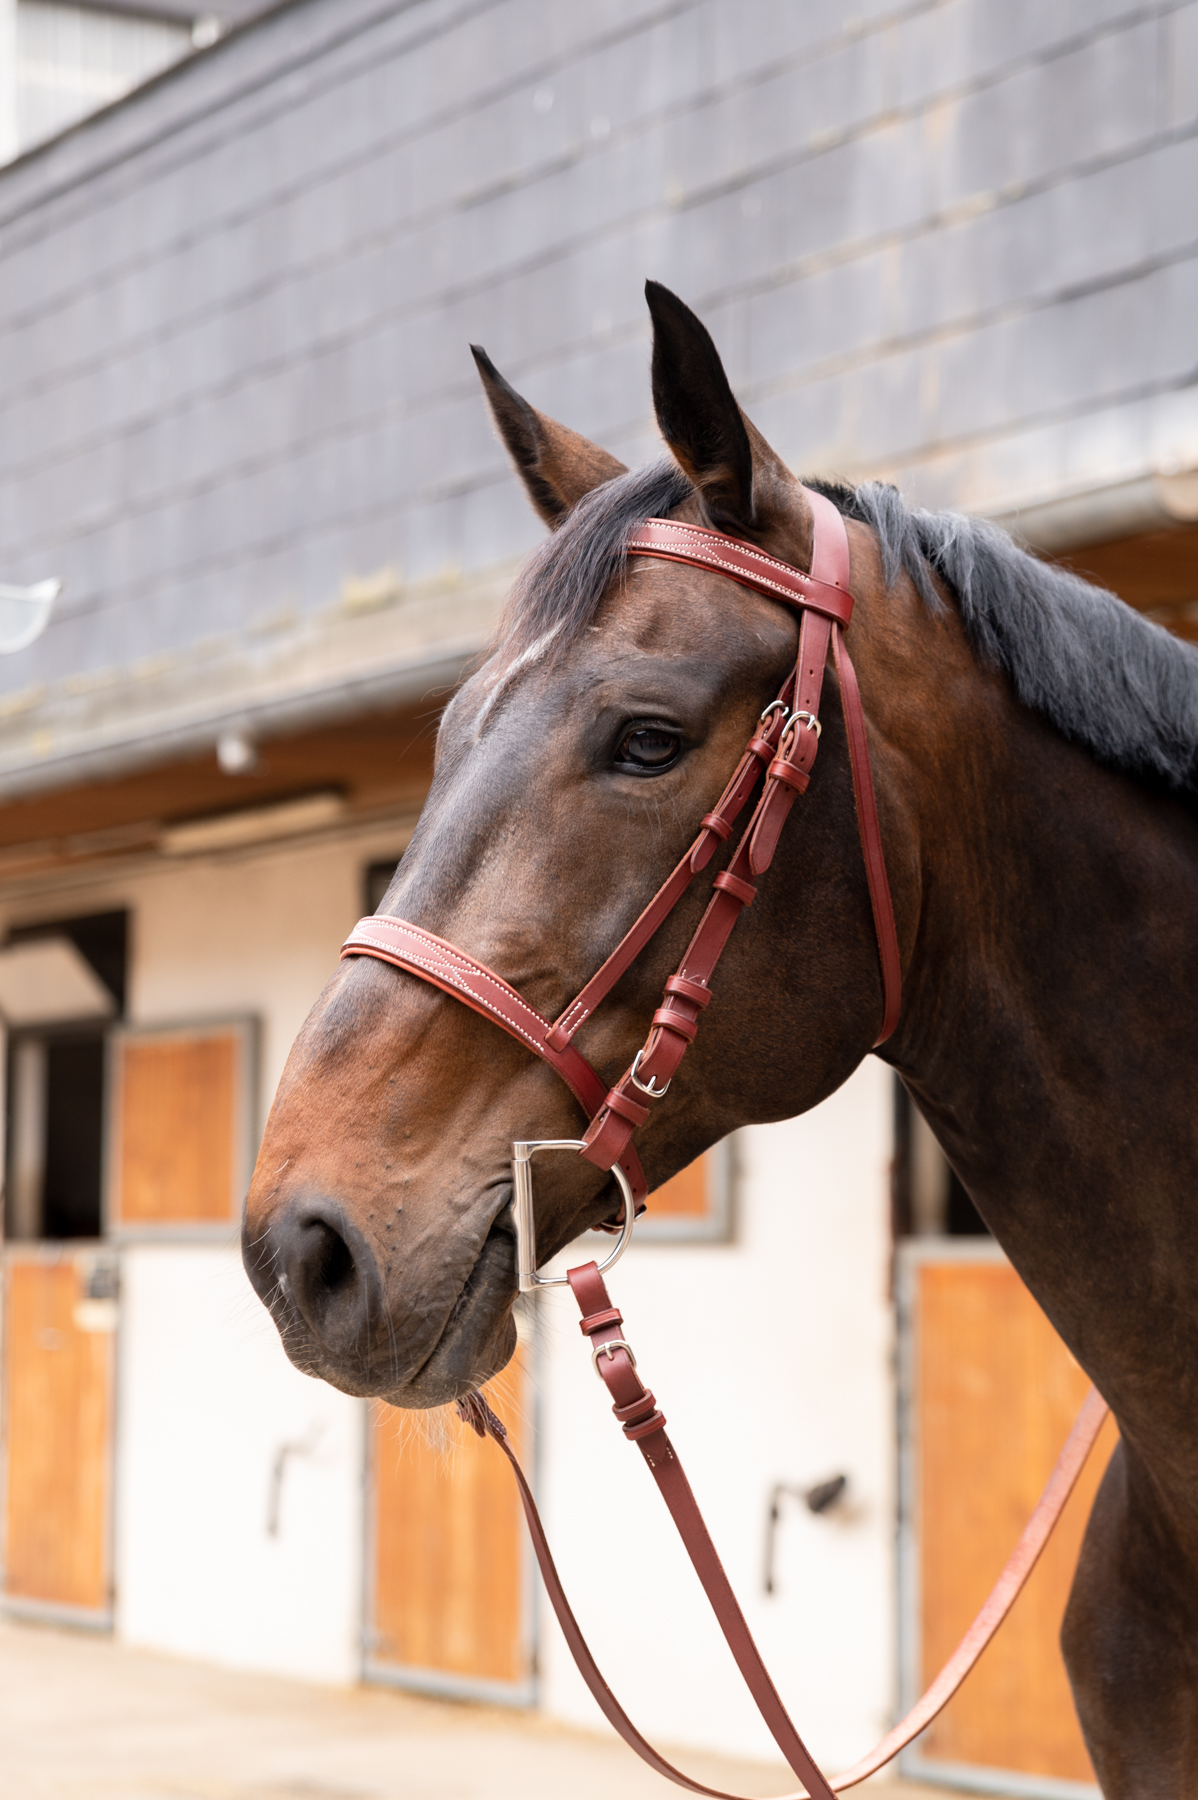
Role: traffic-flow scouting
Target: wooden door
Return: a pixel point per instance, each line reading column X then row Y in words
column 448, row 1592
column 179, row 1128
column 58, row 1371
column 991, row 1394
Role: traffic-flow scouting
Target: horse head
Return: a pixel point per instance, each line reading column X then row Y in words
column 572, row 771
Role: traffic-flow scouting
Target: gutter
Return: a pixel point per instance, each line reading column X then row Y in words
column 1158, row 502
column 383, row 651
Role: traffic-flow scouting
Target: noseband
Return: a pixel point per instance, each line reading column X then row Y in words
column 784, row 745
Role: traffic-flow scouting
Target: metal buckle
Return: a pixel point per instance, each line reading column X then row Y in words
column 609, row 1350
column 649, row 1087
column 803, row 718
column 525, row 1220
column 773, row 707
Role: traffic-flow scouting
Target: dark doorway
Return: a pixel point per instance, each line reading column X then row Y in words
column 55, row 1083
column 376, row 879
column 928, row 1198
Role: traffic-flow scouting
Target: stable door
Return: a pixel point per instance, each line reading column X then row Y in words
column 449, row 1597
column 990, row 1395
column 60, row 1310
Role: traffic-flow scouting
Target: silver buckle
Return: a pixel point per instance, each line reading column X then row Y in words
column 609, row 1350
column 525, row 1220
column 650, row 1087
column 801, row 718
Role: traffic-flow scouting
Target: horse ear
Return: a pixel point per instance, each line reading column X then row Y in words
column 697, row 412
column 716, row 446
column 556, row 465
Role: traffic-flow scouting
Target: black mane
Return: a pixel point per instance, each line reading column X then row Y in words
column 558, row 590
column 1106, row 677
column 1102, row 674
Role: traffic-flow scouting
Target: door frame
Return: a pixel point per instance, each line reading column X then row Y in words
column 440, row 1684
column 912, row 1255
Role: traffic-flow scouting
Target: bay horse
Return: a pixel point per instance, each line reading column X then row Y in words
column 1033, row 743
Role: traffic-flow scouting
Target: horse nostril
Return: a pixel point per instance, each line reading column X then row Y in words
column 315, row 1261
column 332, row 1259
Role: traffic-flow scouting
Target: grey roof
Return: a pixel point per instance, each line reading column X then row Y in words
column 951, row 244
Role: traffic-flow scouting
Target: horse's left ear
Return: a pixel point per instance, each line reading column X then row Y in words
column 556, row 465
column 733, row 468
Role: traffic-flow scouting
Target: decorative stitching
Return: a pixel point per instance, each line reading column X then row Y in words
column 702, row 548
column 451, row 974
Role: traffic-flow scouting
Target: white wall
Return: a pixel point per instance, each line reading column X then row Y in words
column 771, row 1358
column 259, row 933
column 206, row 1398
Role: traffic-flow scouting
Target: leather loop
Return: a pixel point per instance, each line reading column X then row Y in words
column 627, row 1108
column 781, row 770
column 825, row 607
column 610, row 1315
column 728, row 883
column 689, row 990
column 646, row 1428
column 674, row 1021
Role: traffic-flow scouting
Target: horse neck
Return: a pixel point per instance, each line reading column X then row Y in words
column 1049, row 1026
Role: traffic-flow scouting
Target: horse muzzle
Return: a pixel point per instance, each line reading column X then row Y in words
column 320, row 1277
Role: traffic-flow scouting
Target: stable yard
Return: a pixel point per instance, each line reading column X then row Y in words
column 82, row 1718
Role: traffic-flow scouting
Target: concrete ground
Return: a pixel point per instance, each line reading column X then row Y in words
column 82, row 1718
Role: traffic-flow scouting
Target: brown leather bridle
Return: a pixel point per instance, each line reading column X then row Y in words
column 784, row 745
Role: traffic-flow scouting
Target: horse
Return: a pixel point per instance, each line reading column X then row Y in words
column 1033, row 744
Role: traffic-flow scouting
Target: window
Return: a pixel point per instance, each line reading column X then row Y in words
column 376, row 879
column 62, row 983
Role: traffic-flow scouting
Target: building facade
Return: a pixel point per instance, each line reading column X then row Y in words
column 953, row 245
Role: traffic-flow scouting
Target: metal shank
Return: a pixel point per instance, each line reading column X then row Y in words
column 525, row 1219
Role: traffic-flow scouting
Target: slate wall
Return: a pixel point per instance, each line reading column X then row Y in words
column 954, row 243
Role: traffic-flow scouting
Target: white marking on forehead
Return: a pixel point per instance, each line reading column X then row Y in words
column 526, row 657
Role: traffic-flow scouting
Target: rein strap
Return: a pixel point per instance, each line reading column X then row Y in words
column 636, row 1408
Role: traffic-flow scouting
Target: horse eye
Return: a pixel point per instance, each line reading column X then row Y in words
column 648, row 747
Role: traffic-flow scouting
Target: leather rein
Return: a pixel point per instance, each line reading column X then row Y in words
column 784, row 746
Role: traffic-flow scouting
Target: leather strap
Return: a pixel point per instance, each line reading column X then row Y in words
column 644, row 1424
column 827, row 592
column 716, row 829
column 871, row 840
column 410, row 947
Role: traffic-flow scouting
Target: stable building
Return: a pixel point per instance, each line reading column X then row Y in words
column 242, row 425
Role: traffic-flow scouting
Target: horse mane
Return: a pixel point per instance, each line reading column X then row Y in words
column 1103, row 675
column 557, row 592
